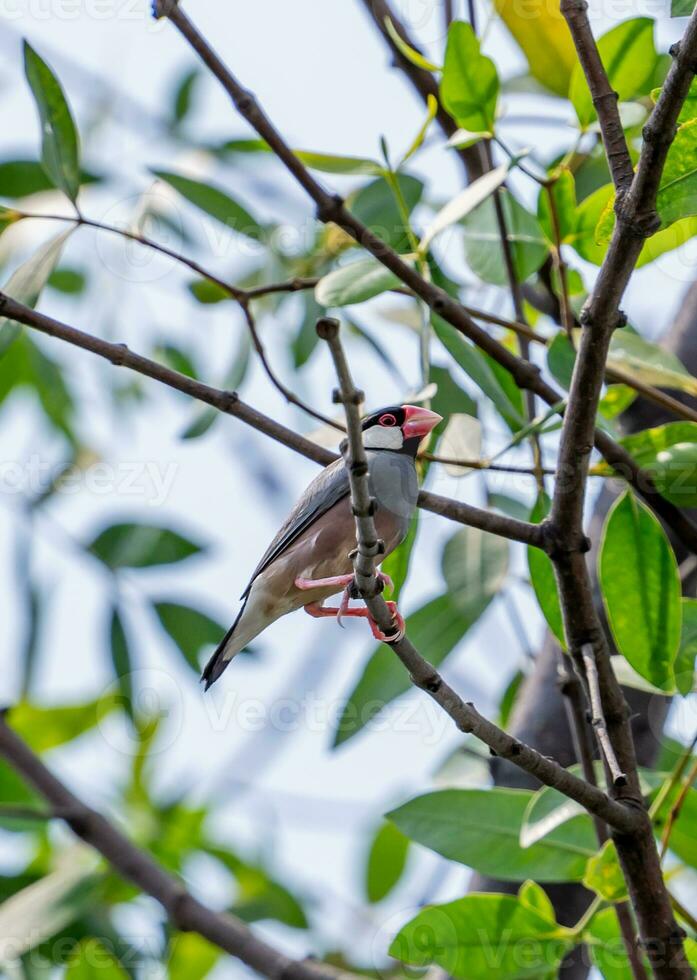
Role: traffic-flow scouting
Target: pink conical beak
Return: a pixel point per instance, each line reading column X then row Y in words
column 419, row 421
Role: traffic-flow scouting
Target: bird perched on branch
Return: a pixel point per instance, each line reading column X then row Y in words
column 310, row 557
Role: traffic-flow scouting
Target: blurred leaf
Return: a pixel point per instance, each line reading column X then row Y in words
column 483, row 251
column 544, row 37
column 616, row 400
column 387, row 859
column 462, row 440
column 27, row 282
column 561, row 358
column 474, row 365
column 475, row 566
column 469, row 87
column 176, row 359
column 509, row 697
column 236, row 374
column 207, row 292
column 182, row 99
column 629, row 55
column 607, row 948
column 191, row 957
column 535, row 898
column 420, row 138
column 46, row 377
column 450, row 397
column 464, row 203
column 214, row 202
column 355, row 282
column 21, row 178
column 92, row 959
column 677, row 194
column 396, row 565
column 641, row 589
column 542, row 577
column 259, row 896
column 435, row 629
column 411, row 54
column 376, row 207
column 331, row 164
column 646, row 445
column 305, row 341
column 480, row 828
column 121, row 661
column 563, row 191
column 509, row 505
column 683, row 839
column 72, row 282
column 462, row 139
column 191, row 630
column 8, row 217
column 604, row 875
column 134, row 545
column 45, row 728
column 484, row 937
column 681, row 8
column 687, row 651
column 60, row 148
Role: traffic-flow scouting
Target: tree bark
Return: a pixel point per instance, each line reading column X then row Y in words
column 539, row 718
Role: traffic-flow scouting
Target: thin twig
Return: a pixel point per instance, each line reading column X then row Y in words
column 484, row 464
column 422, row 674
column 619, row 778
column 230, row 403
column 676, row 808
column 185, row 912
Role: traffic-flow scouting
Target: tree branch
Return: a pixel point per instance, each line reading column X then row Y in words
column 331, row 208
column 603, row 95
column 185, row 912
column 423, row 674
column 230, row 403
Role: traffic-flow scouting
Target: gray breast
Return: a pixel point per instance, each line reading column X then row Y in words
column 394, row 486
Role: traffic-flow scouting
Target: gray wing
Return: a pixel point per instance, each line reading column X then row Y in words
column 327, row 488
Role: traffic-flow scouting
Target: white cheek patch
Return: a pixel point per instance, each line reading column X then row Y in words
column 383, row 437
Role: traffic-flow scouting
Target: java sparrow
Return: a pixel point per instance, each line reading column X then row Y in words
column 310, row 557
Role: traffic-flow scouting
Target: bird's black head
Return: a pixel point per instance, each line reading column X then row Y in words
column 399, row 428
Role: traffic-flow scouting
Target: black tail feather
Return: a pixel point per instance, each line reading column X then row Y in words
column 217, row 664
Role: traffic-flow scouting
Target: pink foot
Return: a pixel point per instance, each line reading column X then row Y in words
column 398, row 621
column 318, row 611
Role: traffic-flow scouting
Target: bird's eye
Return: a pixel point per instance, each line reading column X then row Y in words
column 388, row 419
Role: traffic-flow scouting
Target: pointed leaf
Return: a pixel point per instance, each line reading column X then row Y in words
column 355, row 283
column 214, row 202
column 544, row 37
column 134, row 545
column 387, row 859
column 192, row 631
column 542, row 577
column 469, row 87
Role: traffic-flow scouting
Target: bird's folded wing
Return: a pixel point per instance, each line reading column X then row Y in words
column 328, row 487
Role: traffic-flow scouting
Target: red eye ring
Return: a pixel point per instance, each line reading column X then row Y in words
column 388, row 420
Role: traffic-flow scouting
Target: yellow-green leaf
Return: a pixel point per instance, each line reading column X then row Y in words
column 543, row 36
column 469, row 88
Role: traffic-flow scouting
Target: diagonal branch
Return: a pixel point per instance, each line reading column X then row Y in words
column 230, row 403
column 423, row 674
column 185, row 912
column 331, row 208
column 604, row 96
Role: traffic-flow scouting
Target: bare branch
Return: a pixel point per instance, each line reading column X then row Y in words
column 603, row 95
column 422, row 674
column 230, row 403
column 185, row 912
column 598, row 720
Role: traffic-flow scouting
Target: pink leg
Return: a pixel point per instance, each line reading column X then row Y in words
column 341, row 581
column 319, row 611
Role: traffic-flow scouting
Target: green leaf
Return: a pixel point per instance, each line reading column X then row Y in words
column 234, row 377
column 259, row 896
column 436, row 629
column 191, row 957
column 92, row 958
column 396, row 565
column 72, row 282
column 469, row 88
column 450, row 397
column 387, row 859
column 543, row 35
column 480, row 828
column 475, row 566
column 681, row 8
column 121, row 660
column 510, row 696
column 207, row 293
column 542, row 577
column 645, row 446
column 604, row 875
column 561, row 358
column 649, row 363
column 182, row 99
column 464, row 203
column 60, row 148
column 534, row 897
column 191, row 630
column 411, row 54
column 375, row 206
column 214, row 202
column 45, row 728
column 22, row 178
column 641, row 590
column 475, row 366
column 563, row 191
column 355, row 283
column 484, row 937
column 687, row 652
column 677, row 194
column 176, row 359
column 607, row 948
column 134, row 545
column 683, row 839
column 629, row 55
column 330, row 163
column 27, row 282
column 483, row 251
